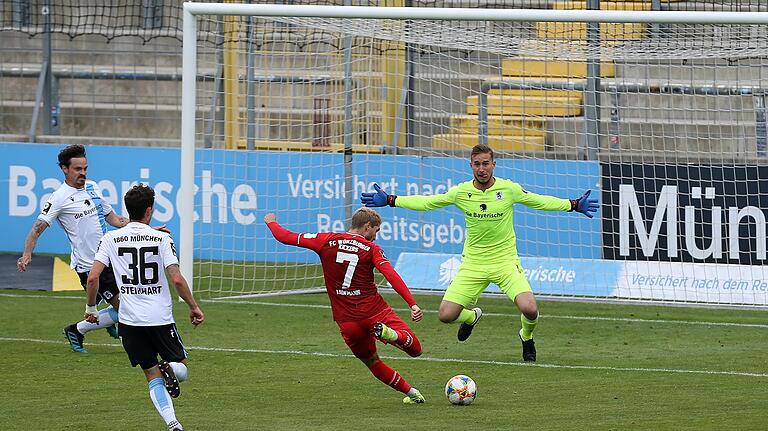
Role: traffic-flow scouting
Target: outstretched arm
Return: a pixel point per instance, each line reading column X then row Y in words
column 380, row 198
column 543, row 202
column 394, row 279
column 312, row 241
column 30, row 243
column 584, row 204
column 280, row 233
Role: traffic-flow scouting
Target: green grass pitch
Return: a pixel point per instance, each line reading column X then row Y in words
column 279, row 364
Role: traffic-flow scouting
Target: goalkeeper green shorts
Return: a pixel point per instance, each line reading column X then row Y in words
column 472, row 279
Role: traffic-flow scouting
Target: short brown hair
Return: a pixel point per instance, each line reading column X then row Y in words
column 71, row 152
column 481, row 149
column 365, row 215
column 138, row 199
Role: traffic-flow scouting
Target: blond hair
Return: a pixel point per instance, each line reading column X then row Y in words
column 365, row 215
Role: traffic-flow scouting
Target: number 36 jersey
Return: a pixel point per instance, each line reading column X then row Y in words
column 138, row 256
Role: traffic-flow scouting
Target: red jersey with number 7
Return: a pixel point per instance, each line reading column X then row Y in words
column 348, row 260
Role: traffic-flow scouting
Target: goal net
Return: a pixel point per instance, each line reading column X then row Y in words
column 296, row 110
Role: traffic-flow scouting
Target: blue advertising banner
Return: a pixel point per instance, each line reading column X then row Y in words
column 553, row 276
column 30, row 173
column 235, row 189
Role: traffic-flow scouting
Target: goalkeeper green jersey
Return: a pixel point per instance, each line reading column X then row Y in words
column 488, row 215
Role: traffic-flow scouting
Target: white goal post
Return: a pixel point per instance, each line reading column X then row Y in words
column 296, row 109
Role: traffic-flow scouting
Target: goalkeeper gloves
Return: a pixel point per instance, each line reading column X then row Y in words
column 585, row 205
column 378, row 199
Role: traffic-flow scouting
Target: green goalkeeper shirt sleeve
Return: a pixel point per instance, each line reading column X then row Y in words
column 539, row 202
column 427, row 203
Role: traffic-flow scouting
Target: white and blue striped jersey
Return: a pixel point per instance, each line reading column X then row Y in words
column 82, row 214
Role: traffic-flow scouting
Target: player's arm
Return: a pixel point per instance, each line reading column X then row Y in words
column 92, row 290
column 380, row 198
column 287, row 237
column 115, row 220
column 119, row 221
column 50, row 211
column 196, row 315
column 385, row 268
column 111, row 217
column 584, row 204
column 539, row 202
column 29, row 244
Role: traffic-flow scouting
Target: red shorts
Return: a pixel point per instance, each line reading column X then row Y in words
column 358, row 334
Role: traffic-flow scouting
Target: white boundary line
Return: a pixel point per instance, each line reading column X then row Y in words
column 429, row 359
column 545, row 316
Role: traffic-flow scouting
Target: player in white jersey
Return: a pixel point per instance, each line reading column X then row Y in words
column 140, row 257
column 84, row 214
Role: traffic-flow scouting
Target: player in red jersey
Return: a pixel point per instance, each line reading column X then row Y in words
column 362, row 314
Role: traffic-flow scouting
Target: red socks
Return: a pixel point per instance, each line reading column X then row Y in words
column 407, row 342
column 390, row 377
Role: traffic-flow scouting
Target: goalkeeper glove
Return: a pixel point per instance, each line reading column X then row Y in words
column 585, row 204
column 378, row 199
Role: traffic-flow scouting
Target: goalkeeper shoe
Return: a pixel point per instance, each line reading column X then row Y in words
column 529, row 348
column 171, row 382
column 75, row 339
column 113, row 331
column 465, row 329
column 384, row 333
column 417, row 398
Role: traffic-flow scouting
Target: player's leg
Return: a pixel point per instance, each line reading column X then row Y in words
column 138, row 342
column 359, row 340
column 109, row 291
column 75, row 333
column 529, row 318
column 391, row 329
column 108, row 316
column 511, row 280
column 461, row 296
column 171, row 349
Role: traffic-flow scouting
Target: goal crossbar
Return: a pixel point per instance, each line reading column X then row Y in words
column 467, row 14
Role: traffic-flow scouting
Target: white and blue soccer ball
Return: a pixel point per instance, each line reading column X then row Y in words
column 461, row 390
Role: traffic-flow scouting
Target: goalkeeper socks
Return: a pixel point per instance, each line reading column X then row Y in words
column 528, row 326
column 107, row 317
column 389, row 377
column 467, row 316
column 162, row 400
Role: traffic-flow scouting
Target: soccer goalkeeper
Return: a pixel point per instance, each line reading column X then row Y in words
column 490, row 250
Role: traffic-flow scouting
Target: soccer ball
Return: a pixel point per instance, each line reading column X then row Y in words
column 461, row 390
